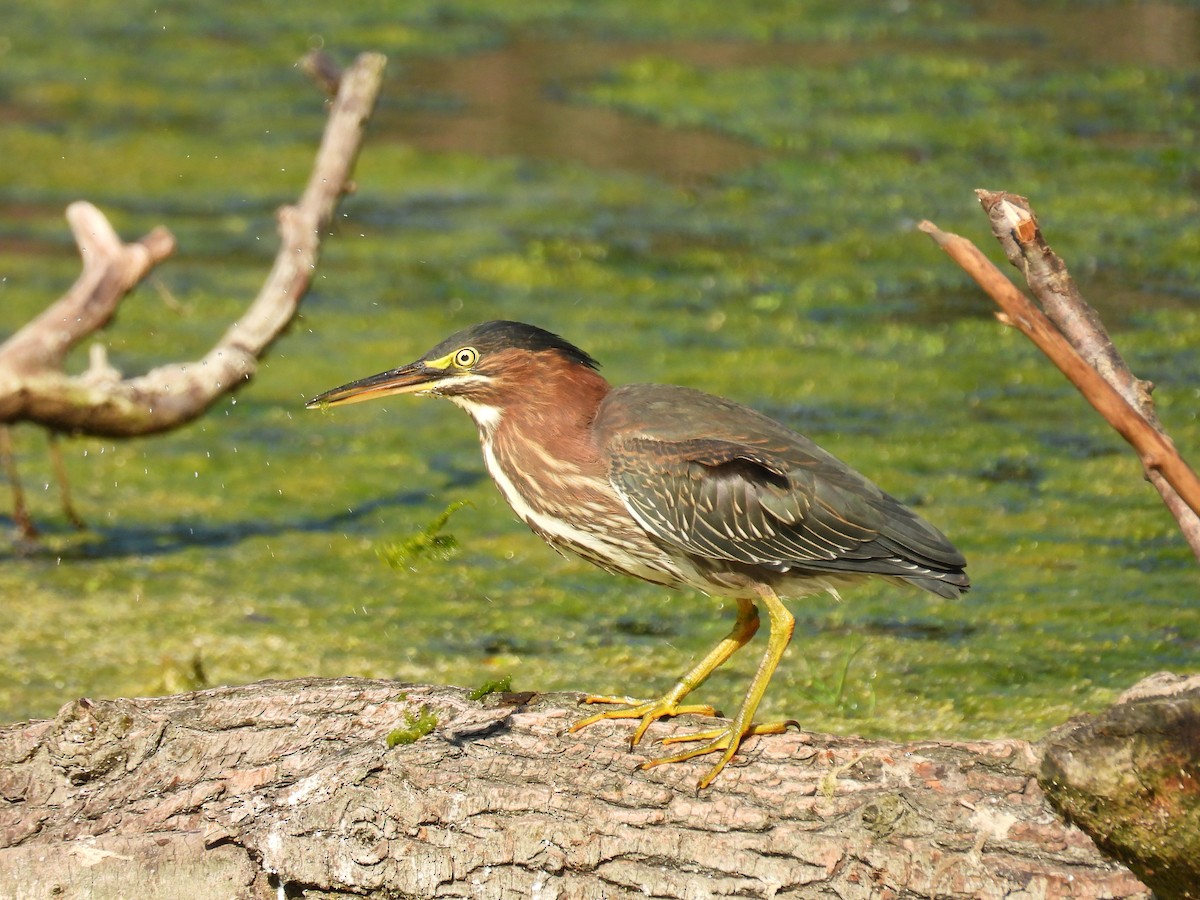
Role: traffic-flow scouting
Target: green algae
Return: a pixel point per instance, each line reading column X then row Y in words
column 429, row 543
column 416, row 726
column 492, row 686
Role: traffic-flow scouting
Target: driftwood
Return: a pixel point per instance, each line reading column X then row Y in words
column 286, row 787
column 1071, row 334
column 34, row 385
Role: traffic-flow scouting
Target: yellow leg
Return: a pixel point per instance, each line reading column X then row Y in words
column 668, row 705
column 728, row 738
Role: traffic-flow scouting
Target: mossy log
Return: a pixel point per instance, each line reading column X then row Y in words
column 1130, row 777
column 290, row 789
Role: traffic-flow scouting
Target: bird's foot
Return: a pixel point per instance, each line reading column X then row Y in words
column 649, row 711
column 725, row 741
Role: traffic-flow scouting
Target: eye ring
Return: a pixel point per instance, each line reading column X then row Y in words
column 466, row 357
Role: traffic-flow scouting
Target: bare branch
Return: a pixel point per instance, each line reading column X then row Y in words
column 1082, row 350
column 1016, row 228
column 110, row 270
column 33, row 385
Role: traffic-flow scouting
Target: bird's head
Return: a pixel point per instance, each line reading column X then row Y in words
column 481, row 368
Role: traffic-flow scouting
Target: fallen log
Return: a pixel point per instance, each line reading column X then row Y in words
column 275, row 788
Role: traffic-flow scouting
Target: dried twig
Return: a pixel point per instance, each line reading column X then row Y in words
column 1077, row 343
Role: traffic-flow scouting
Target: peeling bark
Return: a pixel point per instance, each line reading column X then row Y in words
column 290, row 786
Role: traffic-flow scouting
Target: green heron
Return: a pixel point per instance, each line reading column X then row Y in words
column 676, row 487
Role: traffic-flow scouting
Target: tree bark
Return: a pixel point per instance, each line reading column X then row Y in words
column 282, row 787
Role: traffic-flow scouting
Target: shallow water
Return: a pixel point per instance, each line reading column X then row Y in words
column 725, row 203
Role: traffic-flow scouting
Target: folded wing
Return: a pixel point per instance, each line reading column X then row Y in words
column 750, row 491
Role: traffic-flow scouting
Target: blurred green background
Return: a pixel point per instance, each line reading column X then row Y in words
column 714, row 194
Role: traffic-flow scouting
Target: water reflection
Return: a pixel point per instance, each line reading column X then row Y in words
column 163, row 538
column 1153, row 34
column 512, row 101
column 516, row 99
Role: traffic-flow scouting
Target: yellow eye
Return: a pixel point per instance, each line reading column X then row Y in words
column 466, row 357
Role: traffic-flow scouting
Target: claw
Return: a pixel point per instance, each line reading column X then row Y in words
column 649, row 711
column 714, row 733
column 623, row 701
column 727, row 739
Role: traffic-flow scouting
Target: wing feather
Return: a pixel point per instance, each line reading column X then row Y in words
column 757, row 494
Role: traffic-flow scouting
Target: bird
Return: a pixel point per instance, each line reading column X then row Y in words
column 676, row 487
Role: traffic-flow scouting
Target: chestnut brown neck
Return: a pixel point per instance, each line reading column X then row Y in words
column 545, row 401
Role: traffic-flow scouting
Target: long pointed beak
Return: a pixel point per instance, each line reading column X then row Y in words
column 410, row 379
